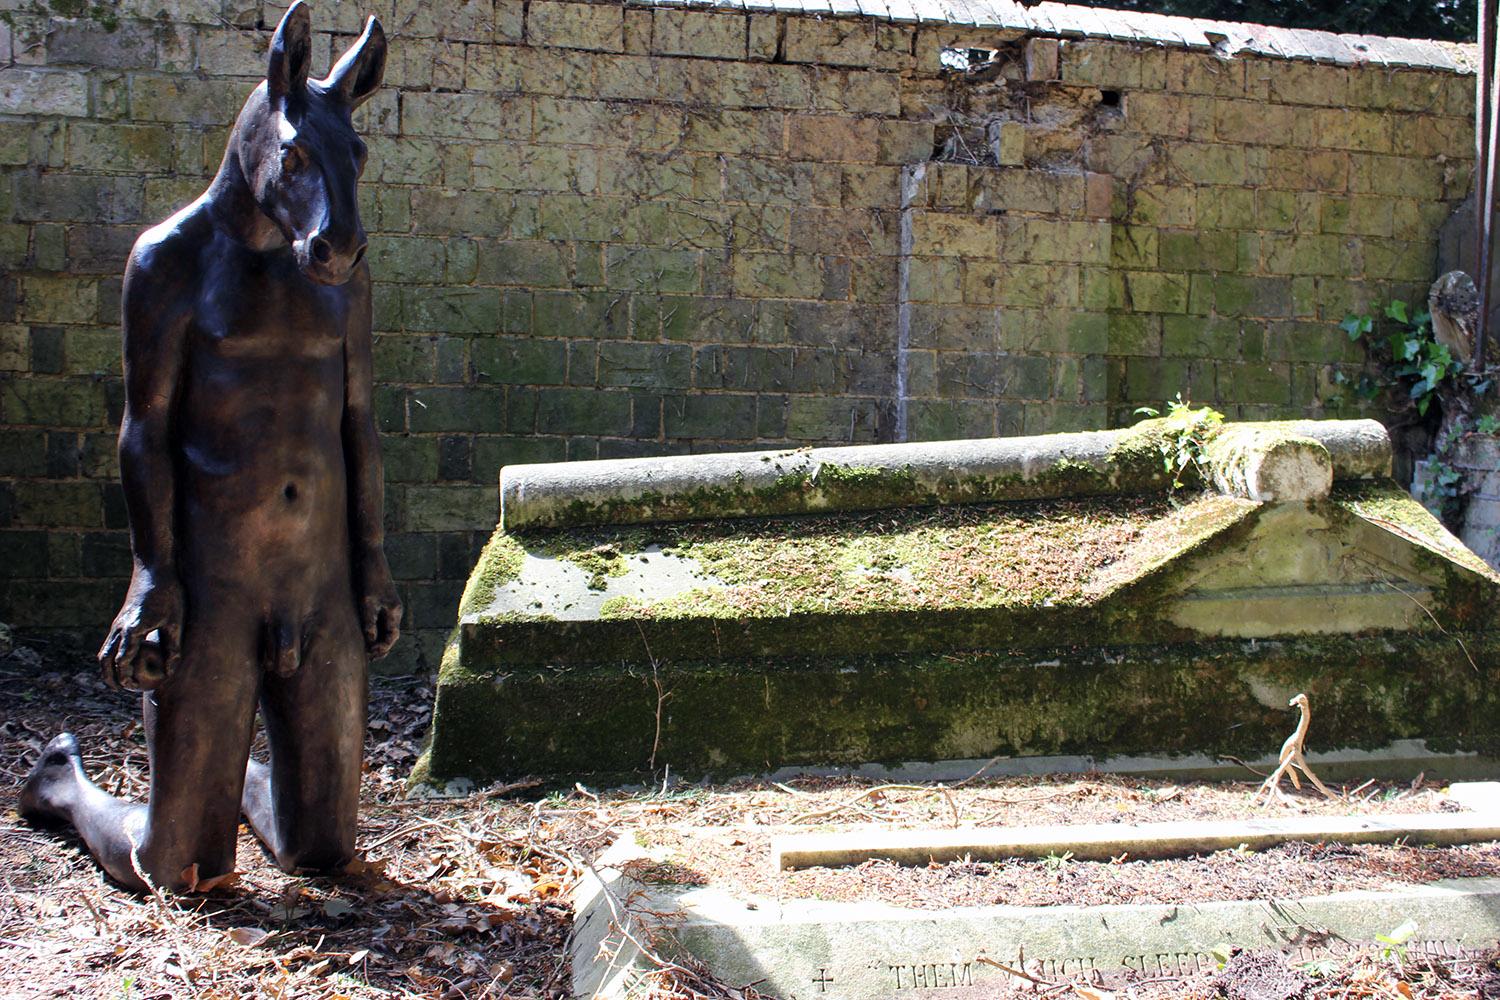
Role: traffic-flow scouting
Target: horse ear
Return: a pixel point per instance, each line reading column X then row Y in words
column 359, row 71
column 291, row 53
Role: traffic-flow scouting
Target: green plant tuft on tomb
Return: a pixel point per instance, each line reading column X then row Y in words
column 1185, row 432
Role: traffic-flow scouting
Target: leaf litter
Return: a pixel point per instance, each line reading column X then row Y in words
column 469, row 898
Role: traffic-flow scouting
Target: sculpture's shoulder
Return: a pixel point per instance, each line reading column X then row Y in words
column 166, row 256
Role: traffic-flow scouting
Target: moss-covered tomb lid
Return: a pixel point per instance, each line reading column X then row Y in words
column 1098, row 569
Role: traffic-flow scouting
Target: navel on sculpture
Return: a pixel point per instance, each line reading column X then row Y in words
column 253, row 481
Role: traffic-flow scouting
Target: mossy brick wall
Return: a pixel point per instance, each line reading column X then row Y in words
column 603, row 230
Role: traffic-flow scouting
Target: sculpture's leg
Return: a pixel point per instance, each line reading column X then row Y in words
column 305, row 805
column 198, row 728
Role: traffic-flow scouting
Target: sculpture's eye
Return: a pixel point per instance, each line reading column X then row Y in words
column 292, row 159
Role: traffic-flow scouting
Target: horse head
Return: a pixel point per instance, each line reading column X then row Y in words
column 298, row 151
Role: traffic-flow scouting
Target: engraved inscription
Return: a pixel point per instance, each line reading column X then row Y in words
column 932, row 975
column 822, row 980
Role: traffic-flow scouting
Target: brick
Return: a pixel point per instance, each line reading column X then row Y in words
column 525, row 167
column 583, row 411
column 1146, row 291
column 1073, row 242
column 466, row 116
column 58, row 504
column 520, row 360
column 1237, row 295
column 701, row 34
column 1196, row 73
column 1198, row 251
column 43, row 92
column 845, row 42
column 903, row 142
column 721, row 417
column 570, row 314
column 450, row 508
column 833, row 139
column 954, row 235
column 1305, row 170
column 596, row 27
column 449, row 309
column 812, row 419
column 532, row 263
column 1304, row 254
column 1254, row 383
column 763, row 369
column 946, row 420
column 436, row 409
column 1026, row 285
column 777, row 275
column 186, row 99
column 1199, row 337
column 1041, row 58
column 856, row 92
column 57, row 299
column 656, row 366
column 69, row 197
column 1112, row 65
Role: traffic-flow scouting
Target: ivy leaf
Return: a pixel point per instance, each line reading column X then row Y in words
column 1397, row 311
column 1422, row 405
column 1353, row 326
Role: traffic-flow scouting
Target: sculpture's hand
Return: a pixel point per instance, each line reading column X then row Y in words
column 379, row 609
column 128, row 658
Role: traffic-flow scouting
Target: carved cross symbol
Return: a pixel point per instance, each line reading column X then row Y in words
column 822, row 979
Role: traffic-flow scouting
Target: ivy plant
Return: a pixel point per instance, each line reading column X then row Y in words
column 1413, row 364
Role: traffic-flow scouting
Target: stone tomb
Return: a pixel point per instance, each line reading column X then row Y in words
column 1023, row 597
column 804, row 949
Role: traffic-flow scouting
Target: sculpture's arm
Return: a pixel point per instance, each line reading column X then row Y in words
column 379, row 605
column 154, row 315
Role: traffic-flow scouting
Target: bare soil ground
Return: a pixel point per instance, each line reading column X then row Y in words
column 468, row 898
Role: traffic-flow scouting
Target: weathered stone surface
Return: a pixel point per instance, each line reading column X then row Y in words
column 853, row 638
column 863, row 950
column 1251, row 460
column 1103, row 841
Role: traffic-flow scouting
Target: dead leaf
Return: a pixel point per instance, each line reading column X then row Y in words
column 1089, row 993
column 357, row 957
column 194, row 884
column 249, row 937
column 336, row 908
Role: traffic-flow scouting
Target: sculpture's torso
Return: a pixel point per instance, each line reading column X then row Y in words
column 263, row 492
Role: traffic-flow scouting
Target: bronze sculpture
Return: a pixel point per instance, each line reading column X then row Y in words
column 253, row 481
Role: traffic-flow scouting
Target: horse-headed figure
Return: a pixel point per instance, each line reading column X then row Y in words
column 252, row 479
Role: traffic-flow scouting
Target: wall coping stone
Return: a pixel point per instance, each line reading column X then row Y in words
column 1226, row 38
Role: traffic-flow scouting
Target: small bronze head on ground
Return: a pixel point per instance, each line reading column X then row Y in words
column 253, row 483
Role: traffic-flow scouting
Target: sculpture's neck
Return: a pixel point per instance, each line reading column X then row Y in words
column 232, row 203
column 1304, row 718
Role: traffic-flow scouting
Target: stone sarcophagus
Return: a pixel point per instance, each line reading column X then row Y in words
column 1071, row 594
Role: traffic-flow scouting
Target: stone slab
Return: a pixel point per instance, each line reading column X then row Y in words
column 1103, row 841
column 805, row 949
column 1480, row 796
column 865, row 477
